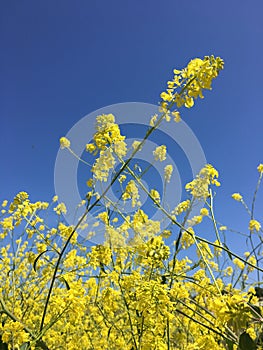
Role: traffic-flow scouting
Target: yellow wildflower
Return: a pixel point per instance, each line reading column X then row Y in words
column 160, row 153
column 60, row 209
column 131, row 192
column 199, row 187
column 181, row 207
column 4, row 203
column 237, row 197
column 64, row 142
column 156, row 195
column 254, row 225
column 153, row 120
column 89, row 183
column 55, row 199
column 204, row 212
column 103, row 164
column 168, row 170
column 104, row 217
column 176, row 115
column 195, row 220
column 192, row 80
column 90, row 147
column 121, row 178
column 239, row 263
column 136, row 144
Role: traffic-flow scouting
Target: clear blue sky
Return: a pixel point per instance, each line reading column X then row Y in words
column 61, row 60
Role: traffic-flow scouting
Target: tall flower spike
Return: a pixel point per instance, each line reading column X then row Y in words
column 191, row 81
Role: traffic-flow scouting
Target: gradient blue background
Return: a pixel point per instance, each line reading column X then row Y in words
column 61, row 60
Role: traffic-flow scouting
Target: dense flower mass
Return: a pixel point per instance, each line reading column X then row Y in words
column 127, row 296
column 146, row 286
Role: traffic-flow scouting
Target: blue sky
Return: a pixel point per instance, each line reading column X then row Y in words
column 61, row 60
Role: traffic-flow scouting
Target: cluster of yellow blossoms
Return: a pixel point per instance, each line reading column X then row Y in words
column 138, row 290
column 191, row 81
column 199, row 187
column 140, row 294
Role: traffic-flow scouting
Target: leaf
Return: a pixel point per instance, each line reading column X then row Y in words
column 36, row 260
column 178, row 241
column 109, row 333
column 62, row 279
column 230, row 344
column 246, row 342
column 228, row 251
column 259, row 292
column 3, row 346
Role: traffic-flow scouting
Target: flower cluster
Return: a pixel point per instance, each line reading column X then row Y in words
column 199, row 187
column 191, row 81
column 137, row 289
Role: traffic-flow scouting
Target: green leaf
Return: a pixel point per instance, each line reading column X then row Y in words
column 3, row 346
column 246, row 342
column 230, row 344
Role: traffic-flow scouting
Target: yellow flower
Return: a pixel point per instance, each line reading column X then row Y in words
column 168, row 170
column 189, row 102
column 252, row 260
column 176, row 115
column 187, row 238
column 254, row 225
column 199, row 187
column 160, row 153
column 4, row 204
column 64, row 142
column 229, row 271
column 60, row 209
column 239, row 263
column 131, row 192
column 156, row 195
column 237, row 197
column 89, row 183
column 136, row 144
column 195, row 220
column 260, row 168
column 153, row 120
column 166, row 233
column 181, row 207
column 104, row 217
column 121, row 178
column 192, row 80
column 103, row 164
column 204, row 212
column 90, row 147
column 108, row 132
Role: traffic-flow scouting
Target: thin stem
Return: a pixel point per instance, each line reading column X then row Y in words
column 255, row 195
